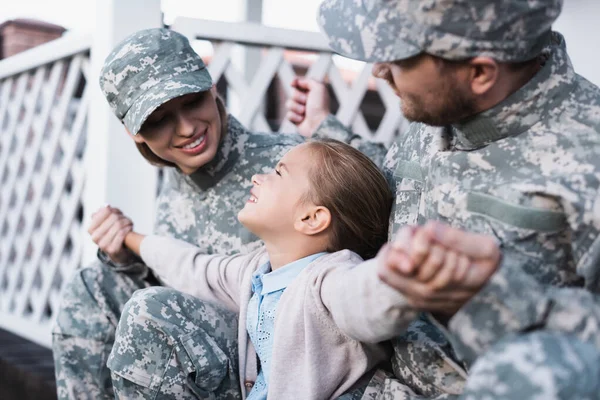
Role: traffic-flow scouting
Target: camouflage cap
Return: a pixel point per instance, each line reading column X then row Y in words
column 388, row 30
column 146, row 70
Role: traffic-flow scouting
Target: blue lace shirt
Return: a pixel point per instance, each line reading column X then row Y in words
column 267, row 288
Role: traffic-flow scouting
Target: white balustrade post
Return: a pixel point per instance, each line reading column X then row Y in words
column 116, row 173
column 246, row 59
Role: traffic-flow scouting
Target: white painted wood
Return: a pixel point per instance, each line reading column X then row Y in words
column 16, row 158
column 258, row 88
column 47, row 53
column 28, row 158
column 240, row 87
column 220, row 61
column 29, row 266
column 318, row 70
column 250, row 34
column 67, row 143
column 14, row 108
column 392, row 119
column 4, row 96
column 248, row 107
column 350, row 107
column 343, row 94
column 116, row 172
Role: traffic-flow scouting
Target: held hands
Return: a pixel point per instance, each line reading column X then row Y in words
column 108, row 230
column 308, row 106
column 438, row 268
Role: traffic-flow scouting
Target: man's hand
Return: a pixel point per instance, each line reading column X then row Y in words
column 308, row 105
column 438, row 268
column 108, row 229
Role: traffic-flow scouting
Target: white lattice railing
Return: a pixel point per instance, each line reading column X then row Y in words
column 44, row 105
column 43, row 112
column 274, row 41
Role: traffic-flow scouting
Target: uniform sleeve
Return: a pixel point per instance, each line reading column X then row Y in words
column 332, row 128
column 361, row 305
column 513, row 301
column 184, row 267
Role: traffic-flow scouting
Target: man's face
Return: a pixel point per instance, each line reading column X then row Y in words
column 430, row 91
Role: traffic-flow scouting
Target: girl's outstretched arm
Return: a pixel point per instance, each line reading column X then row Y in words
column 184, row 267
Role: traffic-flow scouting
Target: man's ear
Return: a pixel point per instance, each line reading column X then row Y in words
column 313, row 220
column 213, row 90
column 483, row 74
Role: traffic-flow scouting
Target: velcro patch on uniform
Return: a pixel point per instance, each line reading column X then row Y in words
column 516, row 215
column 410, row 170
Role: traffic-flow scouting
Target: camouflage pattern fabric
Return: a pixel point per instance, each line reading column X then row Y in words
column 171, row 345
column 201, row 209
column 147, row 69
column 389, row 30
column 528, row 172
column 538, row 365
column 85, row 329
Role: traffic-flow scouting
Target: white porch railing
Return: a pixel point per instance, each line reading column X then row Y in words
column 43, row 115
column 44, row 106
column 273, row 65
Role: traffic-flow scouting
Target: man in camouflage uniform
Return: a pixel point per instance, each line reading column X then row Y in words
column 524, row 169
column 200, row 208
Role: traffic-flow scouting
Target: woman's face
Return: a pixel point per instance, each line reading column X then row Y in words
column 185, row 130
column 275, row 201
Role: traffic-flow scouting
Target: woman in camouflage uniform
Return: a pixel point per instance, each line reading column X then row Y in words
column 161, row 91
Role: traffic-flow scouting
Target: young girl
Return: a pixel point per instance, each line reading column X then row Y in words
column 305, row 305
column 161, row 91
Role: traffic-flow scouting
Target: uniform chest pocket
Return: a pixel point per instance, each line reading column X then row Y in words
column 409, row 188
column 539, row 234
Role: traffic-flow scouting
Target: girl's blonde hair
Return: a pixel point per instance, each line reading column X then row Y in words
column 159, row 162
column 356, row 194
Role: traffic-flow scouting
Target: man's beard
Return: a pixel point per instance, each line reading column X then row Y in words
column 451, row 106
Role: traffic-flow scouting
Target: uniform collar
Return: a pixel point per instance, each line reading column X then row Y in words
column 265, row 281
column 524, row 108
column 227, row 155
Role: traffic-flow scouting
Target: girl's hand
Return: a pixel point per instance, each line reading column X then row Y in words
column 108, row 229
column 308, row 106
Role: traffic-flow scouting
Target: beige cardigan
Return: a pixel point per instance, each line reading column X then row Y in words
column 329, row 319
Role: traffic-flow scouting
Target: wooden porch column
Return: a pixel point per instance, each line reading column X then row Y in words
column 247, row 60
column 116, row 173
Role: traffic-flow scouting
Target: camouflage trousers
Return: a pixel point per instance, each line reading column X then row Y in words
column 170, row 345
column 84, row 332
column 538, row 365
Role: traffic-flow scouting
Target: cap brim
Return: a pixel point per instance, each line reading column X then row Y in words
column 143, row 106
column 374, row 35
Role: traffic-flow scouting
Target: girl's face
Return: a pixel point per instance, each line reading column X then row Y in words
column 185, row 130
column 276, row 199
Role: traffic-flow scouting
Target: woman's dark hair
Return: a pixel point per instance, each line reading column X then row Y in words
column 159, row 162
column 356, row 194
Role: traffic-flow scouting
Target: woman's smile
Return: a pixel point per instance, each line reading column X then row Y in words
column 196, row 144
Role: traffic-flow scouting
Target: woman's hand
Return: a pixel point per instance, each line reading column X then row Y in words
column 108, row 229
column 308, row 106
